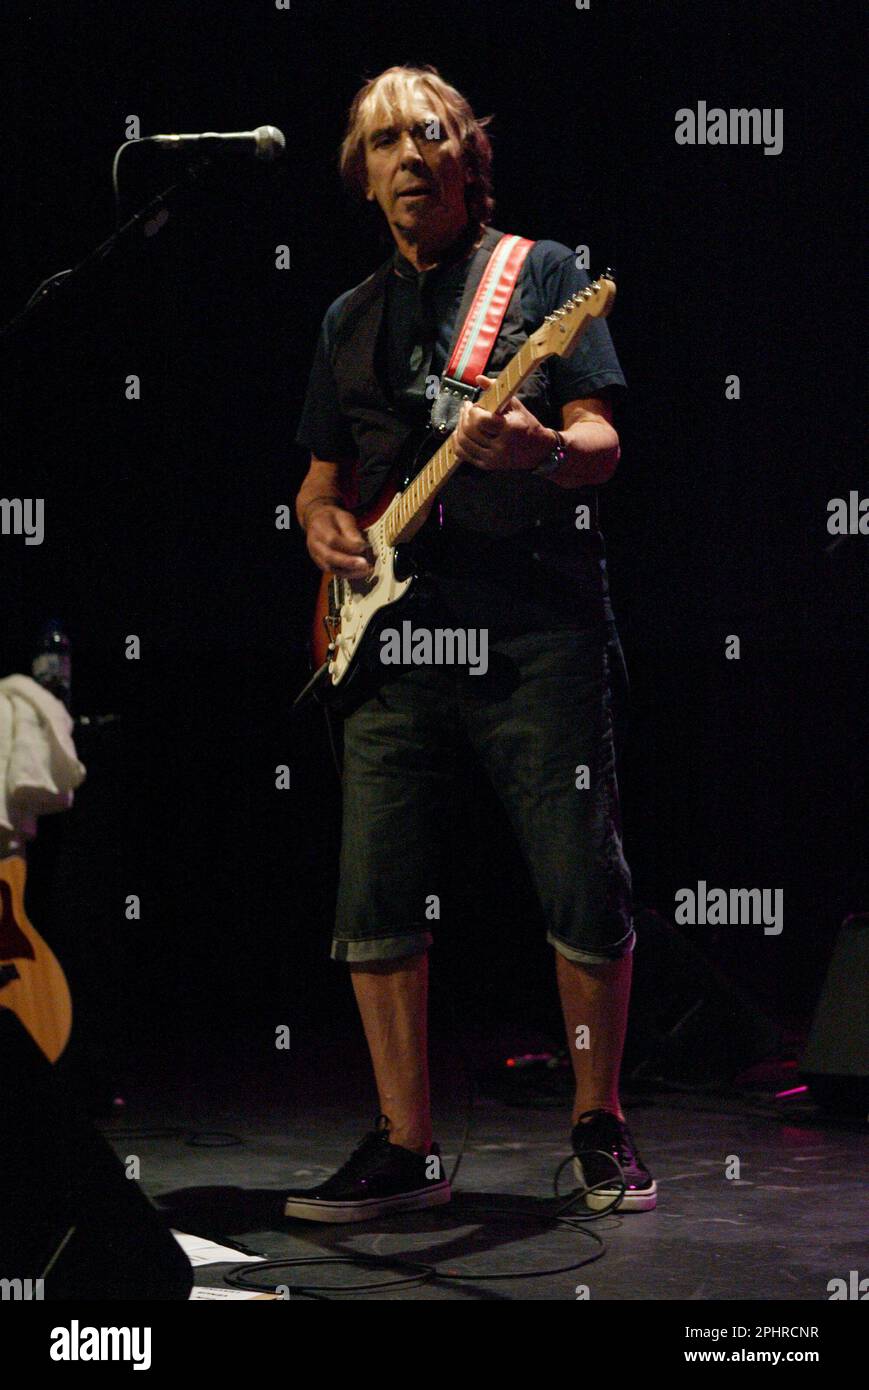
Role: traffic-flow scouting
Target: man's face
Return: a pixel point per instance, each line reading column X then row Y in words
column 415, row 169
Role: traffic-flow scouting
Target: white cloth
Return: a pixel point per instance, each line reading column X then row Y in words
column 39, row 769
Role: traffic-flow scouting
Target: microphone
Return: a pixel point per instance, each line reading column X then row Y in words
column 266, row 142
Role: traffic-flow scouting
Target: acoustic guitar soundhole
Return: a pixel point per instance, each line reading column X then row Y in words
column 13, row 942
column 7, row 974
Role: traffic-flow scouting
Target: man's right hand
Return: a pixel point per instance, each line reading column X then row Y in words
column 335, row 542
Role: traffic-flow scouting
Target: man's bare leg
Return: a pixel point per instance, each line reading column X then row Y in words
column 393, row 1000
column 598, row 996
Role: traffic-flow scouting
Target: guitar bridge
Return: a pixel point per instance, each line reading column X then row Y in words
column 332, row 619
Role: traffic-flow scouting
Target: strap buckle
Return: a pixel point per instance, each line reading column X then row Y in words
column 444, row 413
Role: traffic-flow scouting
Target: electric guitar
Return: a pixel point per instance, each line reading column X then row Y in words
column 349, row 613
column 32, row 983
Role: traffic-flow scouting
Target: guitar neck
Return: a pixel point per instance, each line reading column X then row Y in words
column 441, row 466
column 558, row 334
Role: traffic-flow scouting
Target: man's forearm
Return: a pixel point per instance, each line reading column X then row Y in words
column 320, row 485
column 592, row 448
column 306, row 508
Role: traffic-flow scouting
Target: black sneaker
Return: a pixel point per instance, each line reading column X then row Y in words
column 377, row 1178
column 596, row 1135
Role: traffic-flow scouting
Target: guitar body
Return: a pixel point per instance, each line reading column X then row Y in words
column 350, row 614
column 32, row 983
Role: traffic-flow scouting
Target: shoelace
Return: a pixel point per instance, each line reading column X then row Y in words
column 361, row 1153
column 618, row 1137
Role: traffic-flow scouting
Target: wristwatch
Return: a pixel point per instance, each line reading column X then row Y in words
column 553, row 460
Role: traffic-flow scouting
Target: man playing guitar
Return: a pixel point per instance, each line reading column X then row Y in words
column 512, row 547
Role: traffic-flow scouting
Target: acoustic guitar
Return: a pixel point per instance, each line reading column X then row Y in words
column 32, row 983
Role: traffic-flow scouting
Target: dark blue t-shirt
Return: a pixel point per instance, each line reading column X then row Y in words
column 483, row 581
column 548, row 278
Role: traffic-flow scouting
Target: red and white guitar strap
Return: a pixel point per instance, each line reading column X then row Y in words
column 482, row 325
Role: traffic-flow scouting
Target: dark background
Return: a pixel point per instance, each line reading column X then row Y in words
column 160, row 513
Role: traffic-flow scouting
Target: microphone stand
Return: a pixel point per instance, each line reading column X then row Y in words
column 48, row 290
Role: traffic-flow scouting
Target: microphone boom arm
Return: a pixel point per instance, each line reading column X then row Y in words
column 49, row 289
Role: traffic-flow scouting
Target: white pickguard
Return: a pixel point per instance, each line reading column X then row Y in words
column 362, row 600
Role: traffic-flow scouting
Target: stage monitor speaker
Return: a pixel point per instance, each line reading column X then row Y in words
column 835, row 1064
column 69, row 1214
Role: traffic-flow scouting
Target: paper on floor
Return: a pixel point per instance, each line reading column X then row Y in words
column 200, row 1251
column 204, row 1292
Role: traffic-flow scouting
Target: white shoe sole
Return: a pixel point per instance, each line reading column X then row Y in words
column 646, row 1200
column 434, row 1196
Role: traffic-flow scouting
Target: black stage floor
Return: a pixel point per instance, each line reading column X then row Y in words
column 792, row 1221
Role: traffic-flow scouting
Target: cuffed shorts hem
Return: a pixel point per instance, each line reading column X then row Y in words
column 621, row 948
column 382, row 947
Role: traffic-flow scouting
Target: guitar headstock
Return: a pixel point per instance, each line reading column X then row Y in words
column 559, row 332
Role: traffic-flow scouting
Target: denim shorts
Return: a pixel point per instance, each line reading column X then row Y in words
column 543, row 710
